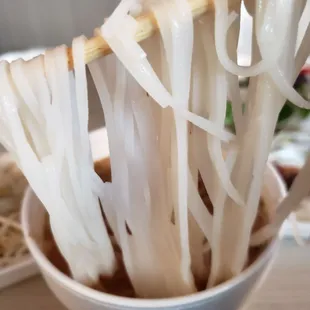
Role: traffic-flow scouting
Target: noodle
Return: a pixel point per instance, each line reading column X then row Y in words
column 223, row 22
column 183, row 211
column 51, row 155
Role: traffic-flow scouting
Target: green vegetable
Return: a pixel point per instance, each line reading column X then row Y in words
column 287, row 111
column 229, row 120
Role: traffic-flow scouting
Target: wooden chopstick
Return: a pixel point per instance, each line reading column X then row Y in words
column 97, row 47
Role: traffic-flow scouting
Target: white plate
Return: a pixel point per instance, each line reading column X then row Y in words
column 18, row 272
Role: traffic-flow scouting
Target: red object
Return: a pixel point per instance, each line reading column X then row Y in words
column 305, row 70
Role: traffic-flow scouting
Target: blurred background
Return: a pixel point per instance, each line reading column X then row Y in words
column 29, row 23
column 30, row 26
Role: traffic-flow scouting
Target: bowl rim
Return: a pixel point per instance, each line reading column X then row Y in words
column 105, row 298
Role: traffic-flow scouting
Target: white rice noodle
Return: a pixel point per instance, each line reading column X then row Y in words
column 75, row 131
column 107, row 195
column 217, row 268
column 288, row 90
column 116, row 19
column 301, row 57
column 200, row 219
column 199, row 211
column 250, row 96
column 160, row 217
column 17, row 71
column 99, row 234
column 233, row 80
column 223, row 21
column 269, row 107
column 298, row 191
column 118, row 165
column 217, row 92
column 165, row 112
column 129, row 52
column 180, row 52
column 197, row 243
column 303, row 23
column 21, row 148
column 204, row 94
column 44, row 139
column 139, row 197
column 33, row 117
column 302, row 53
column 282, row 82
column 10, row 120
column 237, row 222
column 200, row 160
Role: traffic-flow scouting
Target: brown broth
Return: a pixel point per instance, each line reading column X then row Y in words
column 288, row 174
column 120, row 284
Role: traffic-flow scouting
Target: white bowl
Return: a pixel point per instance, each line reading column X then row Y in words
column 227, row 296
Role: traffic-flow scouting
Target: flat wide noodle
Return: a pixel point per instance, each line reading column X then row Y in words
column 183, row 210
